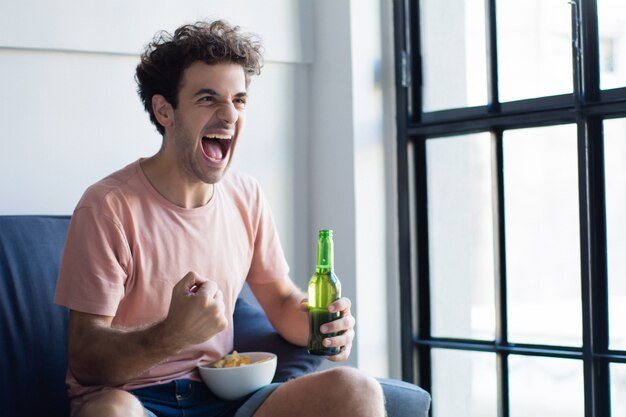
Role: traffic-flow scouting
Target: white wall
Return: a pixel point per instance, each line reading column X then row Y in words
column 121, row 26
column 70, row 116
column 371, row 181
column 70, row 113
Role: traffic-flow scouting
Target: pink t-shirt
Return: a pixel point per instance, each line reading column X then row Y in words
column 127, row 247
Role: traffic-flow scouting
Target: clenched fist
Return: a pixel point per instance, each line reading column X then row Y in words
column 196, row 311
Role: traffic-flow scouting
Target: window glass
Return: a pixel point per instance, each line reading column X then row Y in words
column 618, row 389
column 534, row 48
column 545, row 387
column 615, row 186
column 542, row 235
column 454, row 68
column 611, row 24
column 460, row 228
column 464, row 384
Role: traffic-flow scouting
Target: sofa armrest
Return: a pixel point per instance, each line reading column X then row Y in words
column 403, row 399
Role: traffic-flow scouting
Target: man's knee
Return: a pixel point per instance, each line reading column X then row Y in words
column 115, row 403
column 351, row 384
column 335, row 392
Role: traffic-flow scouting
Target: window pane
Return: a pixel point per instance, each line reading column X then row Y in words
column 534, row 48
column 545, row 387
column 464, row 384
column 542, row 235
column 618, row 389
column 615, row 184
column 460, row 229
column 611, row 24
column 453, row 50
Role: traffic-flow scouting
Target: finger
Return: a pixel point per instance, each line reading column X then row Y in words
column 188, row 280
column 342, row 304
column 340, row 325
column 194, row 288
column 187, row 284
column 208, row 289
column 218, row 295
column 191, row 282
column 219, row 300
column 304, row 304
column 344, row 339
column 343, row 355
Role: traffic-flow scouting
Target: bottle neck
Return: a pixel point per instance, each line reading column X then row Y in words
column 324, row 255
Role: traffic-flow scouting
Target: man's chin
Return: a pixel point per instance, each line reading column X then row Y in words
column 211, row 174
column 215, row 176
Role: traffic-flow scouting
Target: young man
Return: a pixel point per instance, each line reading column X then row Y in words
column 158, row 252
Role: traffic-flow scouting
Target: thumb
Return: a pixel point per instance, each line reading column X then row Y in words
column 191, row 282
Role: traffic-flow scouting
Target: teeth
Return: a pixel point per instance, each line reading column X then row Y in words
column 221, row 137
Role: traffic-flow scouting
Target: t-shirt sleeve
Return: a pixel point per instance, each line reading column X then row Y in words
column 268, row 259
column 94, row 264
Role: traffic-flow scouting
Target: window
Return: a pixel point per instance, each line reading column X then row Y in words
column 512, row 204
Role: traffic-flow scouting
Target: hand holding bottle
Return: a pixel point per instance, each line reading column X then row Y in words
column 331, row 325
column 343, row 327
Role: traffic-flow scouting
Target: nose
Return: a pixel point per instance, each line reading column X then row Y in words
column 228, row 113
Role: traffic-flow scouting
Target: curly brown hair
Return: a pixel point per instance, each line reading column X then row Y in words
column 165, row 58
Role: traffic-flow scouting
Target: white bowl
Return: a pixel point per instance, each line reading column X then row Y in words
column 236, row 382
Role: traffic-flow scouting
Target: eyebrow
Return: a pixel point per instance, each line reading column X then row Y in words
column 212, row 92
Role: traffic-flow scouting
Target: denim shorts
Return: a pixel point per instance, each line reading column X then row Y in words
column 186, row 398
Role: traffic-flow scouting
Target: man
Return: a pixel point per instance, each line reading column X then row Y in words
column 158, row 252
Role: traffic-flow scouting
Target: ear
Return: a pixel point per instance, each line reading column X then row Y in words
column 163, row 111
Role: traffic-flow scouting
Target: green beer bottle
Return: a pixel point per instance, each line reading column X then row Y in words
column 324, row 288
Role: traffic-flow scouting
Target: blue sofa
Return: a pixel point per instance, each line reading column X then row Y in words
column 33, row 329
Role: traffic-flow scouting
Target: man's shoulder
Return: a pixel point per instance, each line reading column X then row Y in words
column 113, row 187
column 242, row 188
column 240, row 180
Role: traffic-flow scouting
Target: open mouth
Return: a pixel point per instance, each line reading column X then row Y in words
column 216, row 147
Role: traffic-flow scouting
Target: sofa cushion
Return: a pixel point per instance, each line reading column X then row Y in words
column 32, row 328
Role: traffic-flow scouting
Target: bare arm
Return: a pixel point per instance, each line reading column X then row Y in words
column 284, row 306
column 101, row 354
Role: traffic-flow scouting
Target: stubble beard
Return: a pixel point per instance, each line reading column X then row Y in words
column 190, row 160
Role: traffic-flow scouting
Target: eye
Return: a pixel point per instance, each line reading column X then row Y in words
column 240, row 102
column 207, row 99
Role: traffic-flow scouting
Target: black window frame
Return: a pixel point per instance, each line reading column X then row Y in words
column 586, row 107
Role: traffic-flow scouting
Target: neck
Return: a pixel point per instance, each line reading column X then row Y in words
column 174, row 185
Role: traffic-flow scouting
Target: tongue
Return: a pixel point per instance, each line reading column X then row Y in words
column 212, row 149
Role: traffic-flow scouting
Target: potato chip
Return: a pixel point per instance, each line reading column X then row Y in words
column 232, row 360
